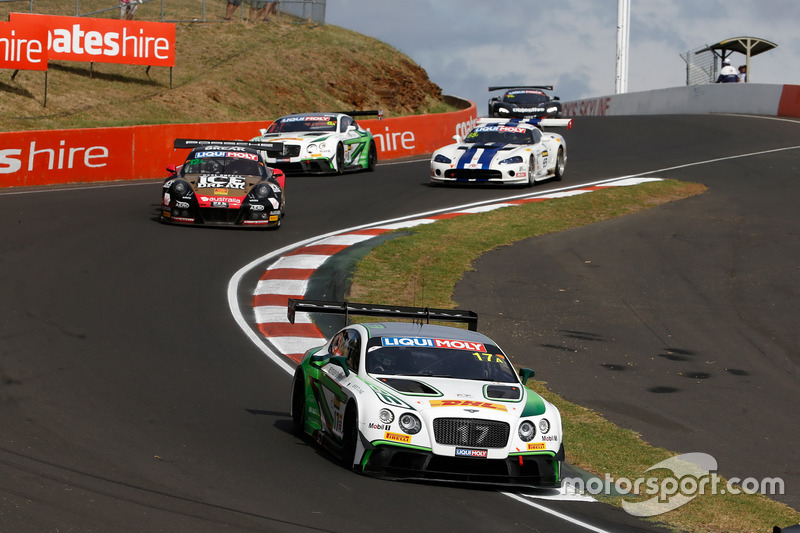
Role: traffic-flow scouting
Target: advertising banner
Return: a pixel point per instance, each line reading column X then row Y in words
column 98, row 40
column 23, row 46
column 51, row 157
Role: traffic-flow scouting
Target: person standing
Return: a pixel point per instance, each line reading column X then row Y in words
column 263, row 14
column 727, row 74
column 127, row 8
column 231, row 8
column 742, row 73
column 260, row 10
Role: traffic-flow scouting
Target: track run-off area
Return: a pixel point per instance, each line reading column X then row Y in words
column 139, row 393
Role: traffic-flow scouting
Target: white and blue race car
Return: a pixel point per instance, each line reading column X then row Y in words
column 506, row 152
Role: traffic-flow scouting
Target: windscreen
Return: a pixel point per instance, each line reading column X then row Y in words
column 418, row 356
column 500, row 134
column 319, row 123
column 224, row 163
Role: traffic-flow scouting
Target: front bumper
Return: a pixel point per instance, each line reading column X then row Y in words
column 540, row 470
column 220, row 217
column 441, row 173
column 303, row 166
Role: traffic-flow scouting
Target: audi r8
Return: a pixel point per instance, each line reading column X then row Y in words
column 223, row 183
column 506, row 152
column 526, row 101
column 420, row 401
column 321, row 143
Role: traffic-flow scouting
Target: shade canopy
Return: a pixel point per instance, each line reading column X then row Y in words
column 749, row 46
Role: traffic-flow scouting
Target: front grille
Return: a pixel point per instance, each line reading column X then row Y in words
column 219, row 215
column 471, row 432
column 474, row 174
column 289, row 150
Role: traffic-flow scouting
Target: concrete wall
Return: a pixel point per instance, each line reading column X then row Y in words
column 745, row 98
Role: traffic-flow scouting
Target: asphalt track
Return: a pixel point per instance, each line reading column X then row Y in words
column 131, row 401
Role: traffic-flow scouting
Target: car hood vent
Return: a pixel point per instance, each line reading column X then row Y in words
column 503, row 392
column 409, row 386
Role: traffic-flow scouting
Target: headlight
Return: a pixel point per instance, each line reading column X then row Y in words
column 503, row 110
column 386, row 416
column 180, row 187
column 544, row 426
column 439, row 158
column 311, row 148
column 552, row 109
column 517, row 159
column 410, row 424
column 527, row 431
column 261, row 191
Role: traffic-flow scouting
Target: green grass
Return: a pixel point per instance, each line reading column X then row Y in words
column 443, row 251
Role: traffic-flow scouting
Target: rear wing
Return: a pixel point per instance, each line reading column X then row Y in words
column 255, row 145
column 501, row 87
column 538, row 122
column 374, row 113
column 389, row 311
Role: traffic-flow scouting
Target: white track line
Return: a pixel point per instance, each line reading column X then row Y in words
column 542, row 508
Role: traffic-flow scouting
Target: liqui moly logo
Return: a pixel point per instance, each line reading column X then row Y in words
column 433, row 343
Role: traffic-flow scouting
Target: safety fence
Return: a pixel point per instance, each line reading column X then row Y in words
column 49, row 157
column 701, row 66
column 301, row 11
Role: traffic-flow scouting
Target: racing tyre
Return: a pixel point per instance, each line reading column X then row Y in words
column 350, row 437
column 531, row 171
column 561, row 165
column 372, row 157
column 299, row 405
column 340, row 159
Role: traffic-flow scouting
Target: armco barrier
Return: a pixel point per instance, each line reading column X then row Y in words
column 745, row 98
column 142, row 152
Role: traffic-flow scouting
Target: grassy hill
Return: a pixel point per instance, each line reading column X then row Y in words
column 224, row 71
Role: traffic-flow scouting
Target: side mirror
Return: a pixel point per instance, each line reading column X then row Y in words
column 457, row 138
column 556, row 98
column 172, row 169
column 263, row 131
column 341, row 361
column 525, row 374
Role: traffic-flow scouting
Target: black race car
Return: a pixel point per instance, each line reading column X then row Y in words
column 524, row 101
column 224, row 183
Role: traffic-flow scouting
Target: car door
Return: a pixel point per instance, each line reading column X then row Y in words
column 335, row 383
column 540, row 152
column 354, row 140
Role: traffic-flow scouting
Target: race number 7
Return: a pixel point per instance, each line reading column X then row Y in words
column 488, row 357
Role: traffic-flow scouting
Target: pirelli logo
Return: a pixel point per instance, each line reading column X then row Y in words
column 468, row 403
column 532, row 446
column 397, row 437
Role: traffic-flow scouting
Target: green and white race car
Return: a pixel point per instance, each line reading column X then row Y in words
column 419, row 401
column 320, row 143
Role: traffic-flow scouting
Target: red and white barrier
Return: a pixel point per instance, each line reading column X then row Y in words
column 49, row 157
